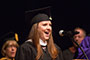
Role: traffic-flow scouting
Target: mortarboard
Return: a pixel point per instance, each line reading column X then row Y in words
column 10, row 36
column 6, row 37
column 37, row 15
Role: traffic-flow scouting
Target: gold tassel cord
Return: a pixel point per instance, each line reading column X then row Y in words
column 16, row 36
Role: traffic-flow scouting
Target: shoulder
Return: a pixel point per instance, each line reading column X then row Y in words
column 4, row 58
column 57, row 47
column 86, row 40
column 27, row 43
column 60, row 55
column 27, row 46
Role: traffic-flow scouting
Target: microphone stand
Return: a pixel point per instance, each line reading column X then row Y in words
column 80, row 48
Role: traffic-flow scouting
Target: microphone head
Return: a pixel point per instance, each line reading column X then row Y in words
column 67, row 33
column 61, row 32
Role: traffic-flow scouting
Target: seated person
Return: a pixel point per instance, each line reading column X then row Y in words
column 84, row 42
column 74, row 52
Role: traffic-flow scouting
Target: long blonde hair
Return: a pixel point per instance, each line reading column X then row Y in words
column 34, row 35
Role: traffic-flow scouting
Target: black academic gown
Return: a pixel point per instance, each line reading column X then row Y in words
column 27, row 51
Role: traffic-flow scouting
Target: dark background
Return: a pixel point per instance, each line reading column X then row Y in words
column 66, row 14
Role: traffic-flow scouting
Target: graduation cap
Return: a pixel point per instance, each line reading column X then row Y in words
column 37, row 15
column 6, row 37
column 10, row 36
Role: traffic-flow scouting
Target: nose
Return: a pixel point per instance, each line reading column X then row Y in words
column 13, row 48
column 49, row 27
column 76, row 39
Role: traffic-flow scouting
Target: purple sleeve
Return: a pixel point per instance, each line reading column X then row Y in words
column 85, row 45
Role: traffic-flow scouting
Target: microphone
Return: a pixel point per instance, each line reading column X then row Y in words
column 67, row 33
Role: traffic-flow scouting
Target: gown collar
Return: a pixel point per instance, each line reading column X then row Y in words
column 43, row 43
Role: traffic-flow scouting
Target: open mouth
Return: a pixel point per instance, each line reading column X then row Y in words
column 46, row 32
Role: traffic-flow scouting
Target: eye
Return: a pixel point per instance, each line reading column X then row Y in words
column 50, row 24
column 44, row 24
column 80, row 36
column 74, row 37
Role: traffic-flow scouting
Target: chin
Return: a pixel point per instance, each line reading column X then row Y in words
column 13, row 55
column 46, row 38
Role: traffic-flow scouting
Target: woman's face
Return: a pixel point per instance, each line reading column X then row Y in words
column 11, row 50
column 45, row 29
